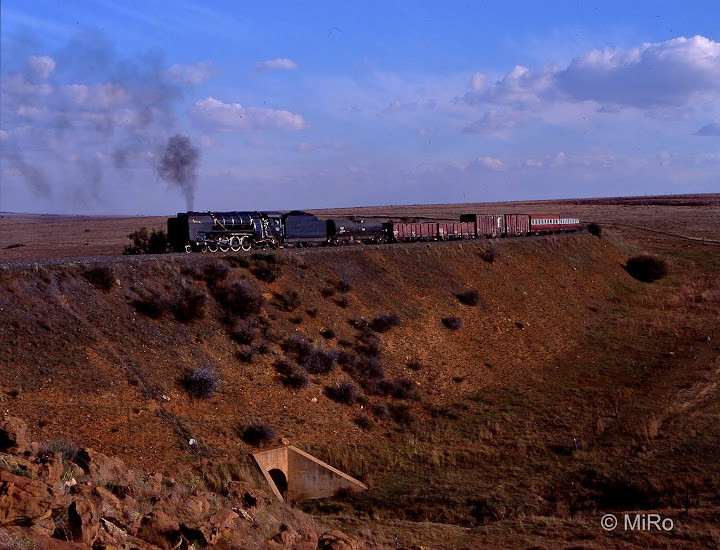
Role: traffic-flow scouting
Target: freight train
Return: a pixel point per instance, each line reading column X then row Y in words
column 225, row 231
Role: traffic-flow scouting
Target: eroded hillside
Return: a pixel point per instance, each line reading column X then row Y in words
column 373, row 359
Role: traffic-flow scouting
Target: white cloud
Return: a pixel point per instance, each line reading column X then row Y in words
column 673, row 73
column 712, row 129
column 280, row 63
column 190, row 75
column 214, row 115
column 490, row 163
column 41, row 66
column 426, row 131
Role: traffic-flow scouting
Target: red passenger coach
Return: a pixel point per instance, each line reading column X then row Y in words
column 542, row 223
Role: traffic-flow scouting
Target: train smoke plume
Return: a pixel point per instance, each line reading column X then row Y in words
column 178, row 165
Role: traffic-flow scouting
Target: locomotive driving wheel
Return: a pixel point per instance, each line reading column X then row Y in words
column 224, row 245
column 235, row 244
column 213, row 247
column 245, row 243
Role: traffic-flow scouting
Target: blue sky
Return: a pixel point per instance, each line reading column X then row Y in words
column 321, row 104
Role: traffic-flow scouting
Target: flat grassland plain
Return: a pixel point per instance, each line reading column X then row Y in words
column 568, row 391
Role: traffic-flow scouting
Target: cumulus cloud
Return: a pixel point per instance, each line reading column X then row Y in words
column 673, row 73
column 190, row 75
column 214, row 115
column 489, row 163
column 279, row 64
column 712, row 129
column 41, row 66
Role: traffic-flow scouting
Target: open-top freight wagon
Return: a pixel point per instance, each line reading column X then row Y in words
column 225, row 231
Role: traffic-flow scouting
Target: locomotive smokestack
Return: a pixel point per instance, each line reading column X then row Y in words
column 178, row 165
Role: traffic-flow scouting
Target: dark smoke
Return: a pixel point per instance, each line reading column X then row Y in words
column 178, row 166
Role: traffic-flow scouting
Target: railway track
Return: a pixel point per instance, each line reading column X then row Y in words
column 198, row 257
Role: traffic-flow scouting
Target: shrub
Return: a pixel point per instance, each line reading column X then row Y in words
column 469, row 297
column 343, row 301
column 415, row 365
column 267, row 267
column 151, row 305
column 453, row 323
column 364, row 421
column 646, row 268
column 343, row 391
column 257, row 433
column 312, row 312
column 216, row 272
column 343, row 285
column 489, row 254
column 401, row 413
column 100, row 276
column 68, row 449
column 145, row 242
column 247, row 354
column 381, row 411
column 298, row 319
column 320, row 361
column 594, row 229
column 328, row 334
column 240, row 298
column 238, row 260
column 328, row 291
column 201, row 383
column 243, row 333
column 384, row 322
column 190, row 304
column 401, row 388
column 368, row 344
column 292, row 375
column 290, row 300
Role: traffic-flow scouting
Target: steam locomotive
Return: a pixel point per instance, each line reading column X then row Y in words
column 225, row 231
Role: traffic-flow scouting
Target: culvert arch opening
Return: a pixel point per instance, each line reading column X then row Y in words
column 280, row 481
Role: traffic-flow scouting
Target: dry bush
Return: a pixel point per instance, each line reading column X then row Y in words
column 201, row 382
column 384, row 322
column 266, row 267
column 364, row 421
column 190, row 304
column 216, row 273
column 247, row 354
column 489, row 254
column 453, row 323
column 343, row 301
column 415, row 365
column 68, row 449
column 328, row 333
column 151, row 304
column 240, row 298
column 256, row 433
column 290, row 300
column 243, row 333
column 292, row 375
column 595, row 229
column 238, row 260
column 145, row 242
column 343, row 285
column 343, row 391
column 102, row 277
column 381, row 411
column 646, row 268
column 469, row 297
column 313, row 359
column 401, row 413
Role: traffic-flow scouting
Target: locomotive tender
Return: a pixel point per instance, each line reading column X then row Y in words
column 225, row 231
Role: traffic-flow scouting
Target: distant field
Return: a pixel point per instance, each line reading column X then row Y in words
column 51, row 236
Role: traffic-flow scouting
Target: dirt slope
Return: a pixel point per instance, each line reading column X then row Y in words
column 482, row 421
